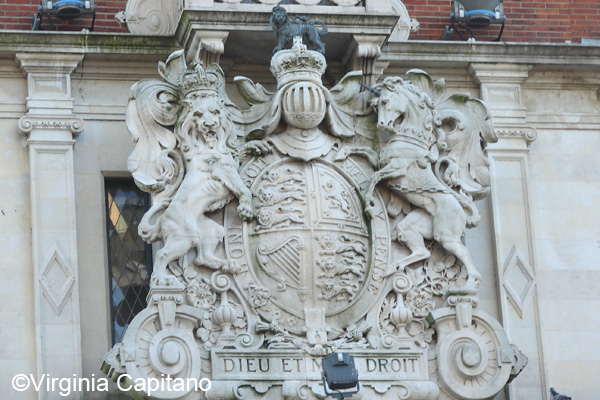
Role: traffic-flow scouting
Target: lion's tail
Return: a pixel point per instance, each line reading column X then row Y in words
column 323, row 30
column 149, row 228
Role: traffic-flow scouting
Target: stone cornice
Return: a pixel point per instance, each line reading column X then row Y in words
column 348, row 21
column 123, row 45
column 345, row 20
column 455, row 54
column 417, row 53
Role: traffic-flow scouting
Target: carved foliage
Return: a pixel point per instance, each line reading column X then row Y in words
column 422, row 290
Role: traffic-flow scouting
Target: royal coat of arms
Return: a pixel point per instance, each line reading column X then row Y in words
column 313, row 220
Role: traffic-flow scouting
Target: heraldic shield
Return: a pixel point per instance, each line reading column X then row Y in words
column 310, row 243
column 313, row 220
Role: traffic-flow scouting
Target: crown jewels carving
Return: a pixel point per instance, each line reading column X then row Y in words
column 198, row 79
column 298, row 64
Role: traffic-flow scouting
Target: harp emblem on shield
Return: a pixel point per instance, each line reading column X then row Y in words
column 283, row 261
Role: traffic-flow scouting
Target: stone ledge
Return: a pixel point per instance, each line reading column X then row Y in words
column 432, row 53
column 91, row 43
column 257, row 20
column 253, row 27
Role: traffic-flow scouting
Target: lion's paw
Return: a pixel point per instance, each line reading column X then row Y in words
column 258, row 147
column 231, row 267
column 162, row 279
column 245, row 210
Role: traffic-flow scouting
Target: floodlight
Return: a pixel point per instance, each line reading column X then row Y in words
column 64, row 9
column 340, row 375
column 469, row 14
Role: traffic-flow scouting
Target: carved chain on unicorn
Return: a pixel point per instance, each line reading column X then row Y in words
column 433, row 163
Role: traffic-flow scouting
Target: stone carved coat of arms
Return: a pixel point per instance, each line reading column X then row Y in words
column 311, row 221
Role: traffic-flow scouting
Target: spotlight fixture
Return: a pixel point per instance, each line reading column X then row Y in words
column 64, row 9
column 340, row 375
column 472, row 14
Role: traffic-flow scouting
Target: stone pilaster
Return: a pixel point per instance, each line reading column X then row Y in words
column 51, row 126
column 501, row 88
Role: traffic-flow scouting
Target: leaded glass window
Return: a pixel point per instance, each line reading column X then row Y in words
column 130, row 258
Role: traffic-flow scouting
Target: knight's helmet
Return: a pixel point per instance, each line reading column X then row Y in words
column 298, row 72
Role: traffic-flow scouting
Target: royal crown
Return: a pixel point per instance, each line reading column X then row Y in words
column 198, row 79
column 298, row 64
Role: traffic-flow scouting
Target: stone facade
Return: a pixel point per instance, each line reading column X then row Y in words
column 63, row 108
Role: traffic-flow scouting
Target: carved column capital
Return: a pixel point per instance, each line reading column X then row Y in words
column 501, row 87
column 369, row 46
column 48, row 82
column 59, row 63
column 29, row 124
column 485, row 73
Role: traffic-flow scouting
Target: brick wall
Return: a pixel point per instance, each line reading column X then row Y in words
column 18, row 14
column 527, row 20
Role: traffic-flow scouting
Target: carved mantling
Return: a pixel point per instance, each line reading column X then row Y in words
column 289, row 231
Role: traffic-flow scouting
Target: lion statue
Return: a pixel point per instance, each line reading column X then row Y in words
column 210, row 182
column 286, row 30
column 185, row 154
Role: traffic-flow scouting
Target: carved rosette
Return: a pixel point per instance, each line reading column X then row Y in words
column 156, row 17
